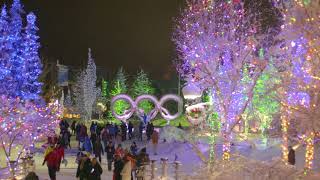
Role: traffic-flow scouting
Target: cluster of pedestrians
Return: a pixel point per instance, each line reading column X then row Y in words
column 125, row 163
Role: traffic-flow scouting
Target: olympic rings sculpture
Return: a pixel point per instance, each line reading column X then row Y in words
column 158, row 106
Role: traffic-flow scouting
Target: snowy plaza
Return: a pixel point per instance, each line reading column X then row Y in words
column 160, row 90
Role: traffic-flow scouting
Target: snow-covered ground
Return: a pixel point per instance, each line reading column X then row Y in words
column 258, row 150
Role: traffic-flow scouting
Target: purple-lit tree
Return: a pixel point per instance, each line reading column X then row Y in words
column 218, row 49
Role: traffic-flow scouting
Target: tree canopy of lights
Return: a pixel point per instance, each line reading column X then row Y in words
column 142, row 85
column 20, row 63
column 119, row 87
column 218, row 42
column 299, row 51
column 22, row 123
column 85, row 89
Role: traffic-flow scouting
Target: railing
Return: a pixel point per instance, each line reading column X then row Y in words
column 151, row 172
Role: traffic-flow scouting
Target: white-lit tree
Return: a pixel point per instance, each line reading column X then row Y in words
column 85, row 89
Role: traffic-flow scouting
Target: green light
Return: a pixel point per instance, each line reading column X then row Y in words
column 104, row 88
column 261, row 53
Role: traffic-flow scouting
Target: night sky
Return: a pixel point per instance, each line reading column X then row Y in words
column 128, row 33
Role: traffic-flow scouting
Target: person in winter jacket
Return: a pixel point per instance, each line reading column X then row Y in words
column 142, row 158
column 87, row 145
column 32, row 176
column 60, row 153
column 141, row 127
column 110, row 154
column 155, row 139
column 118, row 166
column 134, row 148
column 130, row 127
column 93, row 139
column 98, row 149
column 119, row 151
column 127, row 169
column 96, row 171
column 291, row 156
column 52, row 162
column 73, row 127
column 84, row 168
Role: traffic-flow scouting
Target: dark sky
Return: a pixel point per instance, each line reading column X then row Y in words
column 128, row 33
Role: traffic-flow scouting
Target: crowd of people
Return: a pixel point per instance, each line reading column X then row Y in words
column 126, row 163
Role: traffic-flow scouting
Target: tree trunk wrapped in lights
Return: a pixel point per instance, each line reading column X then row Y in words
column 217, row 43
column 284, row 125
column 299, row 51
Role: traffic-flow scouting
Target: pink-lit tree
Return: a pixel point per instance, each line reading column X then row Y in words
column 218, row 44
column 22, row 123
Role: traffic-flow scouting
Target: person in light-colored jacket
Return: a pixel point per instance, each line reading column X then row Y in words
column 127, row 169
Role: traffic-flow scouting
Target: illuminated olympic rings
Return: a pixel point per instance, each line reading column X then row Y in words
column 158, row 106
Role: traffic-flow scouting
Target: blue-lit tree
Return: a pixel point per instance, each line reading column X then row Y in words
column 15, row 81
column 4, row 54
column 31, row 86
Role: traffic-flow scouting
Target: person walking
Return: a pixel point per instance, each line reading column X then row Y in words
column 51, row 158
column 96, row 170
column 98, row 149
column 118, row 166
column 73, row 127
column 141, row 127
column 60, row 153
column 291, row 156
column 148, row 131
column 84, row 168
column 127, row 169
column 110, row 154
column 134, row 148
column 119, row 151
column 155, row 140
column 130, row 127
column 87, row 146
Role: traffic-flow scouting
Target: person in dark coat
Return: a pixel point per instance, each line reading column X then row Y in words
column 98, row 149
column 142, row 158
column 32, row 176
column 93, row 139
column 141, row 127
column 291, row 156
column 118, row 166
column 73, row 127
column 110, row 154
column 130, row 127
column 84, row 168
column 134, row 148
column 123, row 131
column 96, row 170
